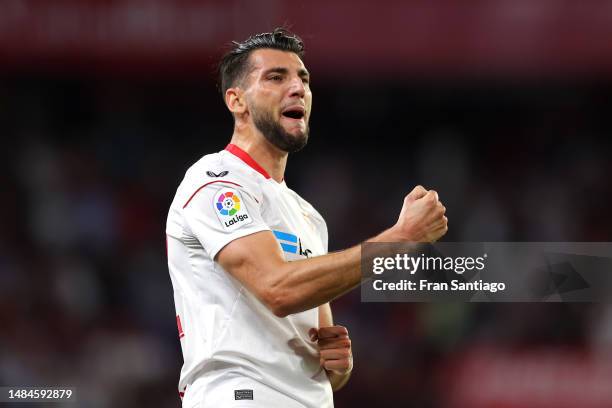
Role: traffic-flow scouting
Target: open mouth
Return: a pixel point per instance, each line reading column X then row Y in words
column 294, row 113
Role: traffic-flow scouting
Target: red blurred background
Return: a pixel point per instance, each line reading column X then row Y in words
column 502, row 106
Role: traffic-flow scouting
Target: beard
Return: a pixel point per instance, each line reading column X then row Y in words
column 276, row 134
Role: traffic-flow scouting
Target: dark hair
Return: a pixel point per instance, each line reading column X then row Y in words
column 234, row 64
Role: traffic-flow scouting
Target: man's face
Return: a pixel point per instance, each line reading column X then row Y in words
column 278, row 98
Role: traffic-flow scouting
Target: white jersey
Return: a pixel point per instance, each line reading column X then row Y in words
column 236, row 352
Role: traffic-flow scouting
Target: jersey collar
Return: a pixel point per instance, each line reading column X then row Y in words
column 244, row 156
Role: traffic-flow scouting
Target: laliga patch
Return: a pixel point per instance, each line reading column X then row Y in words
column 230, row 209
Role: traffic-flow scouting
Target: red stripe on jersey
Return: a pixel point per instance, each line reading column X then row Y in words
column 245, row 157
column 180, row 327
column 201, row 187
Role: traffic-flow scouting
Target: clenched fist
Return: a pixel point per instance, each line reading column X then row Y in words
column 422, row 217
column 334, row 348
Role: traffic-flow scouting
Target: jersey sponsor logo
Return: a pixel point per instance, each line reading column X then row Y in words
column 213, row 174
column 230, row 209
column 287, row 241
column 291, row 243
column 303, row 251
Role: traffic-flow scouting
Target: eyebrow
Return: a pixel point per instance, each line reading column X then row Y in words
column 302, row 72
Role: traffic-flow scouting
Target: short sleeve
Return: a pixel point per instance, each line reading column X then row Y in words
column 219, row 214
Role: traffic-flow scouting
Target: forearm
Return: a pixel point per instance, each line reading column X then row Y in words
column 312, row 282
column 308, row 283
column 257, row 261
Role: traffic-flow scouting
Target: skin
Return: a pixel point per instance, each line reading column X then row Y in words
column 273, row 90
column 335, row 351
column 278, row 80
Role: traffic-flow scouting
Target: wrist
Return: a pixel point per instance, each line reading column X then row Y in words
column 338, row 380
column 393, row 234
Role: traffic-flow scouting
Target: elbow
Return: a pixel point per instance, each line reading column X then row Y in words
column 281, row 312
column 279, row 302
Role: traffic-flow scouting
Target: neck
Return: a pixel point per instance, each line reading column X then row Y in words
column 273, row 160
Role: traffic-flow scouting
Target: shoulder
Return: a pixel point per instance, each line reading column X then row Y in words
column 213, row 172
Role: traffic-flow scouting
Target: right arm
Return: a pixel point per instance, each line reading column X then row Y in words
column 291, row 287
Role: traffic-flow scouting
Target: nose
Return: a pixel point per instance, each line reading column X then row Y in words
column 297, row 88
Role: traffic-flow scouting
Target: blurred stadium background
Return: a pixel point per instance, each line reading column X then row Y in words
column 503, row 106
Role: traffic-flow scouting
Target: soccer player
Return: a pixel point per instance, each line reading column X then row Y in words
column 248, row 256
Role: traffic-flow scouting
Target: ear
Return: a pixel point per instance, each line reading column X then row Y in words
column 235, row 100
